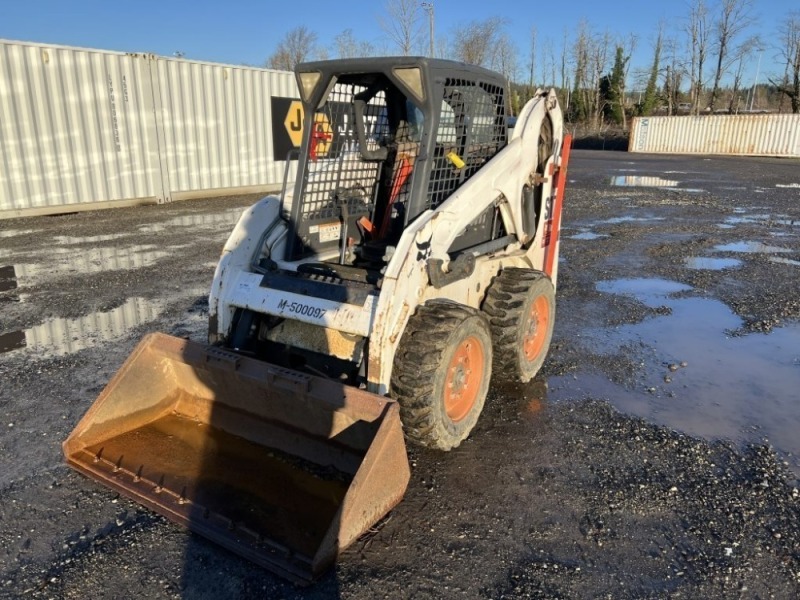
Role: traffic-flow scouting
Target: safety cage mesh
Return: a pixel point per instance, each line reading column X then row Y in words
column 472, row 129
column 334, row 160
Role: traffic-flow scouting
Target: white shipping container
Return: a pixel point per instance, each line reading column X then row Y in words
column 748, row 135
column 84, row 129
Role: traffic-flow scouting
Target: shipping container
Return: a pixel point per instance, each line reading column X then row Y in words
column 747, row 135
column 83, row 129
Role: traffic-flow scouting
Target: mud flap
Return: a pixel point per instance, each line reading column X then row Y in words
column 283, row 468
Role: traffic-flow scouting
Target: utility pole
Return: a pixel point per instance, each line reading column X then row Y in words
column 755, row 82
column 428, row 6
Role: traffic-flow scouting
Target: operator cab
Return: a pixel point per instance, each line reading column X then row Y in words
column 384, row 140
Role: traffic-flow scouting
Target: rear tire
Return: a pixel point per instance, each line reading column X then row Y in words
column 441, row 373
column 521, row 307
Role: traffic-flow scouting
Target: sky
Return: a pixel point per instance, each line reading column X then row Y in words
column 247, row 31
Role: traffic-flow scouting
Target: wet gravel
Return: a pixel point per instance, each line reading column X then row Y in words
column 557, row 494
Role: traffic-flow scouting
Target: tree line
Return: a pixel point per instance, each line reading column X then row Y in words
column 696, row 67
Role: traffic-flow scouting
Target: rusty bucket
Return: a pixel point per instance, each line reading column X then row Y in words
column 283, row 468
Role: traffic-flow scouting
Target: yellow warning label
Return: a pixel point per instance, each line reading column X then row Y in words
column 294, row 122
column 321, row 136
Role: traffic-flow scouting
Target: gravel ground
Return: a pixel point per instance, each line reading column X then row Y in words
column 655, row 457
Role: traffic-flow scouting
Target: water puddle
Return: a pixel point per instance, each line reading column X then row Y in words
column 58, row 337
column 788, row 185
column 784, row 261
column 695, row 377
column 648, row 181
column 711, row 264
column 642, row 181
column 628, row 219
column 687, row 190
column 85, row 261
column 650, row 291
column 587, row 235
column 222, row 221
column 762, row 219
column 750, row 248
column 6, row 233
column 89, row 239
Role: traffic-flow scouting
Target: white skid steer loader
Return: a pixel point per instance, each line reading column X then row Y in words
column 416, row 254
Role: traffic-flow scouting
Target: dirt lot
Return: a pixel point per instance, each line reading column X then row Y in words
column 656, row 456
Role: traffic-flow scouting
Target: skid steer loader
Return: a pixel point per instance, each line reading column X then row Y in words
column 415, row 255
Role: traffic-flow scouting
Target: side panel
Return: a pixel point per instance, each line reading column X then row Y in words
column 74, row 128
column 83, row 129
column 750, row 135
column 217, row 124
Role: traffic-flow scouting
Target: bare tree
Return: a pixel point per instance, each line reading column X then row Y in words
column 629, row 47
column 345, row 45
column 599, row 64
column 402, row 24
column 697, row 31
column 735, row 16
column 590, row 55
column 672, row 75
column 297, row 46
column 477, row 42
column 789, row 41
column 740, row 55
column 532, row 63
column 505, row 57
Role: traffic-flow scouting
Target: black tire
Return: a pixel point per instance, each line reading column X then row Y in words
column 441, row 373
column 521, row 307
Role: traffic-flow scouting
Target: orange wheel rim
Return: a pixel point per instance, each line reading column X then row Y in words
column 463, row 379
column 536, row 328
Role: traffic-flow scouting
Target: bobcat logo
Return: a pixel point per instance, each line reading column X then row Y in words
column 424, row 249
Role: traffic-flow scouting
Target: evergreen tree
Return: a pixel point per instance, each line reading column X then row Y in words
column 614, row 89
column 651, row 91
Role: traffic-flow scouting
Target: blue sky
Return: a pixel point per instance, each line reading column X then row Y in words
column 239, row 31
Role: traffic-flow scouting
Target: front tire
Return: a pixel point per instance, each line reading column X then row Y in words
column 441, row 373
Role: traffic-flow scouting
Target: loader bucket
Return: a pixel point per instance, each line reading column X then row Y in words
column 280, row 467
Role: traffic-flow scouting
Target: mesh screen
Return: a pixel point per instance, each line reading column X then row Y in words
column 471, row 130
column 335, row 162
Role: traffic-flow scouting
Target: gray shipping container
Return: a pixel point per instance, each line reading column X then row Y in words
column 84, row 129
column 749, row 135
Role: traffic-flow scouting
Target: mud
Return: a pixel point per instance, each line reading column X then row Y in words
column 656, row 455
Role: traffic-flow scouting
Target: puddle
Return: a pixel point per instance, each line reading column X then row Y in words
column 58, row 337
column 687, row 190
column 587, row 235
column 89, row 239
column 223, row 221
column 15, row 232
column 649, row 291
column 762, row 219
column 629, row 219
column 725, row 226
column 641, row 181
column 788, row 185
column 83, row 261
column 784, row 261
column 741, row 388
column 750, row 248
column 711, row 264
